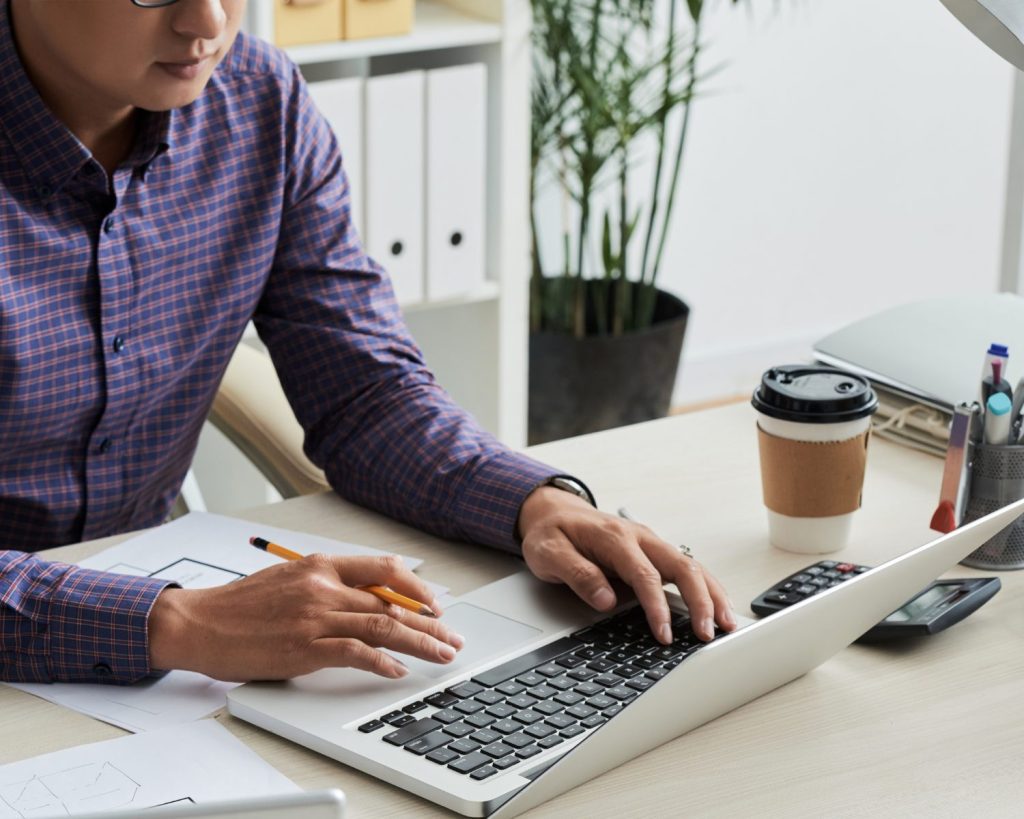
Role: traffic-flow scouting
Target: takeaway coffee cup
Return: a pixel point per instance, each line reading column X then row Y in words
column 813, row 426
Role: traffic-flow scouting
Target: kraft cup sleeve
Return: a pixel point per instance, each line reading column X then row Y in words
column 812, row 479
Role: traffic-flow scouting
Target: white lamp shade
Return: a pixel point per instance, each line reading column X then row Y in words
column 997, row 23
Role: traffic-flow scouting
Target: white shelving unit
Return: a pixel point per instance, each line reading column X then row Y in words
column 477, row 343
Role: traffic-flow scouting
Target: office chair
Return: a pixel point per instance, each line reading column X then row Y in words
column 251, row 411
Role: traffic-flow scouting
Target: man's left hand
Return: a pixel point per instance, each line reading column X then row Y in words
column 566, row 540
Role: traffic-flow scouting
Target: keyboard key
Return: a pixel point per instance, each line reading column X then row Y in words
column 416, row 728
column 483, row 773
column 501, row 711
column 441, row 699
column 479, row 720
column 570, row 661
column 506, row 762
column 391, row 716
column 458, row 729
column 528, row 717
column 569, row 698
column 620, row 656
column 442, row 756
column 531, row 679
column 601, row 664
column 588, row 689
column 521, row 701
column 463, row 746
column 582, row 674
column 549, row 670
column 497, row 750
column 560, row 721
column 572, row 731
column 470, row 762
column 580, row 711
column 539, row 731
column 646, row 663
column 469, row 706
column 510, row 688
column 588, row 653
column 594, row 721
column 426, row 744
column 506, row 726
column 466, row 689
column 485, row 737
column 547, row 708
column 551, row 741
column 518, row 740
column 447, row 716
column 371, row 726
column 607, row 680
column 524, row 662
column 542, row 692
column 629, row 671
column 528, row 751
column 489, row 697
column 640, row 684
column 413, row 707
column 611, row 712
column 562, row 683
column 653, row 674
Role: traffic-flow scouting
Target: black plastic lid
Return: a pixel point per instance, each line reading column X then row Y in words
column 815, row 395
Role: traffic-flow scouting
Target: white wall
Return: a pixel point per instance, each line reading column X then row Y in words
column 849, row 156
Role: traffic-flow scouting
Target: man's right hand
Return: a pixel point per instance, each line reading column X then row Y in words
column 295, row 618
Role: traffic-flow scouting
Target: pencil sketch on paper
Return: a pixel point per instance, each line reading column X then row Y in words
column 93, row 787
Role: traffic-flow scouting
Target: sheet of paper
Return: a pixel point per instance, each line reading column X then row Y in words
column 198, row 551
column 199, row 762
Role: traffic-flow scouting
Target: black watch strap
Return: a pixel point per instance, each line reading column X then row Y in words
column 568, row 483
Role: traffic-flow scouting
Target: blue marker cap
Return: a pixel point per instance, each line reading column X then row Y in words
column 998, row 349
column 998, row 403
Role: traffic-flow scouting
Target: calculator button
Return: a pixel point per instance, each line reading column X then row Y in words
column 861, row 569
column 814, row 570
column 789, row 585
column 827, row 564
column 806, row 589
column 816, row 581
column 845, row 567
column 832, row 574
column 781, row 598
column 832, row 583
column 801, row 578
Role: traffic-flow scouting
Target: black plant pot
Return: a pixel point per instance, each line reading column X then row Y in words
column 580, row 385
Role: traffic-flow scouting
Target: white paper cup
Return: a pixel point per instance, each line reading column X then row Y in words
column 805, row 488
column 811, row 536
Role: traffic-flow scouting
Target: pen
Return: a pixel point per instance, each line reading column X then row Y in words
column 1018, row 404
column 955, row 476
column 997, row 420
column 380, row 592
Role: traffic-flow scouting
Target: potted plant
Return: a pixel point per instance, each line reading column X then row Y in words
column 609, row 76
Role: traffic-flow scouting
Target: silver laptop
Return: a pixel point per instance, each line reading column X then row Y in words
column 547, row 694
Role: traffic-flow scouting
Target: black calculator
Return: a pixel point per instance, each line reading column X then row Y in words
column 932, row 610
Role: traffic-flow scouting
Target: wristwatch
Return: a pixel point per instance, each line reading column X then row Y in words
column 567, row 483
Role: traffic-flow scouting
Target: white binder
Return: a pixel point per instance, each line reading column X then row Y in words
column 394, row 176
column 456, row 135
column 341, row 103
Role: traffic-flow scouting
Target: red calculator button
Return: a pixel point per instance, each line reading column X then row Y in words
column 845, row 567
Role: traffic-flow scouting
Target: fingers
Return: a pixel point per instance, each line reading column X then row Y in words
column 704, row 596
column 387, row 630
column 388, row 570
column 350, row 653
column 556, row 560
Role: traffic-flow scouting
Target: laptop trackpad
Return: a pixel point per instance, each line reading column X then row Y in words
column 487, row 635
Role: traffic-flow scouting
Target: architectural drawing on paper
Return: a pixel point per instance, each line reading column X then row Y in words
column 93, row 787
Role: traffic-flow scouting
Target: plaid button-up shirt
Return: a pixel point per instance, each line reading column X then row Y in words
column 121, row 301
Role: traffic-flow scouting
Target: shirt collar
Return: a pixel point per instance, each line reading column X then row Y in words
column 49, row 153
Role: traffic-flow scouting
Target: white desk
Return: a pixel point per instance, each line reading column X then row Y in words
column 934, row 728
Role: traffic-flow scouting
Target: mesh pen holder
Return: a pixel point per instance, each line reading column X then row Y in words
column 996, row 479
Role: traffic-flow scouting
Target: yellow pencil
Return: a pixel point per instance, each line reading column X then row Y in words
column 380, row 592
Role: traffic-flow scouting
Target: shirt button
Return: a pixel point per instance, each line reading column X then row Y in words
column 102, row 670
column 105, row 445
column 108, row 226
column 118, row 344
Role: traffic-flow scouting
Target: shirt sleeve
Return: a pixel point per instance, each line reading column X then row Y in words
column 376, row 421
column 62, row 623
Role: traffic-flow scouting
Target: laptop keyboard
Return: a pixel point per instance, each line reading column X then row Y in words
column 563, row 690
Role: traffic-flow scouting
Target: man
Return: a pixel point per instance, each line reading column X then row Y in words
column 164, row 179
